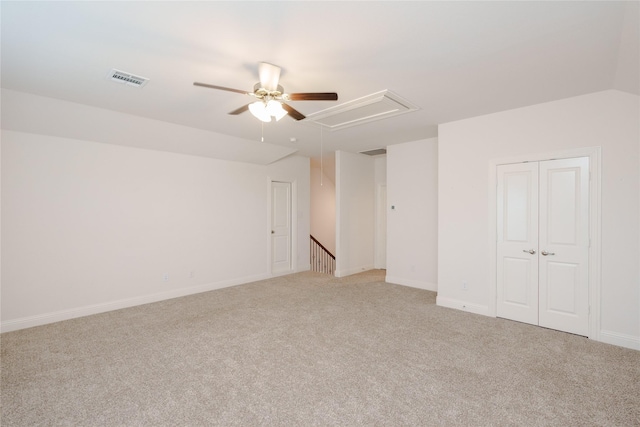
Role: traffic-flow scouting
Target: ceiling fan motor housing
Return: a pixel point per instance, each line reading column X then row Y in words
column 261, row 93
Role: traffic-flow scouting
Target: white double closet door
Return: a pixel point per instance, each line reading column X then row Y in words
column 543, row 243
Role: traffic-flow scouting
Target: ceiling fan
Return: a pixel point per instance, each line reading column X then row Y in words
column 270, row 96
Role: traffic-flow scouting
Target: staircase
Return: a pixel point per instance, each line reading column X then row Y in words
column 322, row 260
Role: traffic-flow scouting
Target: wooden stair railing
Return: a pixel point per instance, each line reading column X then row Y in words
column 322, row 260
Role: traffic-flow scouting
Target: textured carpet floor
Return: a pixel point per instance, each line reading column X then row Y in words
column 309, row 349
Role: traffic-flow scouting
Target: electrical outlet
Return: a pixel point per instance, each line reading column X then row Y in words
column 192, row 274
column 465, row 286
column 165, row 277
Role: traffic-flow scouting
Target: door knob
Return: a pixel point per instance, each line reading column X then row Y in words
column 530, row 251
column 545, row 253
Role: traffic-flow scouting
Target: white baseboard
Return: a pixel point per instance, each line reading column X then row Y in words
column 608, row 337
column 58, row 316
column 420, row 284
column 349, row 272
column 621, row 340
column 462, row 305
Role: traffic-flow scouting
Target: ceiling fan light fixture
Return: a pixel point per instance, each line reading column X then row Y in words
column 274, row 108
column 264, row 110
column 259, row 110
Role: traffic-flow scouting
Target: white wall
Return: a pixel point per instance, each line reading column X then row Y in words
column 24, row 112
column 89, row 227
column 609, row 119
column 323, row 207
column 380, row 214
column 380, row 170
column 412, row 227
column 355, row 207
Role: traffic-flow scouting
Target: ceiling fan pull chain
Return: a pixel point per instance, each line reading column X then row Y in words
column 262, row 130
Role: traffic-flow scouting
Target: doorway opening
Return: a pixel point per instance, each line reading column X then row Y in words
column 322, row 239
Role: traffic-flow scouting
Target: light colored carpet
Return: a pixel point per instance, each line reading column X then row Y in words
column 310, row 349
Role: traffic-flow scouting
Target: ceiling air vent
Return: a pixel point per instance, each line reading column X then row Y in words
column 375, row 152
column 127, row 78
column 377, row 106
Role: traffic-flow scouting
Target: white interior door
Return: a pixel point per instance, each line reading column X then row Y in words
column 543, row 243
column 517, row 245
column 564, row 245
column 280, row 227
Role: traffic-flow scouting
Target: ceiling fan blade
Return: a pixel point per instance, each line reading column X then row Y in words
column 319, row 96
column 295, row 114
column 244, row 92
column 239, row 110
column 269, row 75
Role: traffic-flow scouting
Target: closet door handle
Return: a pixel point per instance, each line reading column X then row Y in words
column 530, row 251
column 545, row 253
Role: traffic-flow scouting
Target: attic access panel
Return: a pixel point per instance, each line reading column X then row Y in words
column 377, row 106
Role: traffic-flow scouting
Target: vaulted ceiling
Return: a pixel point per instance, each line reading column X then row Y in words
column 453, row 60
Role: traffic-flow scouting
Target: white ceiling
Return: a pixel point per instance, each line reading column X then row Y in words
column 453, row 60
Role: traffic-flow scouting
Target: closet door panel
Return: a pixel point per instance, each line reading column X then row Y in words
column 517, row 242
column 564, row 245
